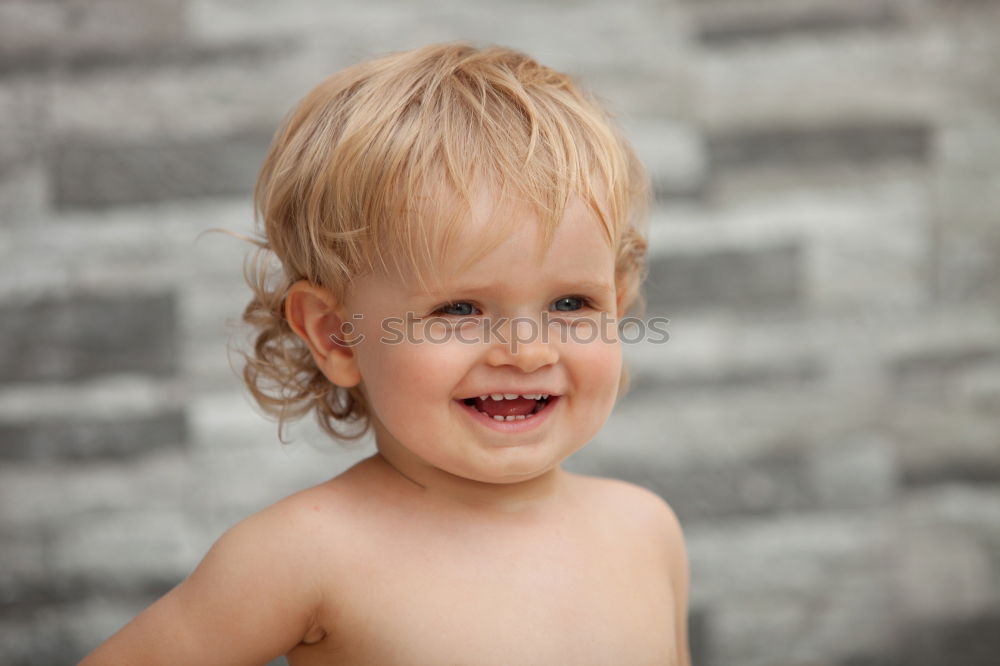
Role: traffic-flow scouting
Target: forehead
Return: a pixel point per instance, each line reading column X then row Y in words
column 508, row 244
column 514, row 228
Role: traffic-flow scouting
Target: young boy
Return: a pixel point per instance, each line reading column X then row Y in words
column 457, row 235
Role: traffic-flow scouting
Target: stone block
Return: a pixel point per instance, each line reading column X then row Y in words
column 973, row 508
column 240, row 466
column 946, row 583
column 199, row 92
column 969, row 641
column 726, row 23
column 880, row 235
column 943, row 572
column 23, row 552
column 800, row 147
column 179, row 56
column 967, row 267
column 105, row 174
column 127, row 549
column 756, row 279
column 151, row 248
column 953, row 520
column 789, row 589
column 639, row 64
column 771, row 484
column 786, row 554
column 23, row 120
column 403, row 26
column 966, row 197
column 668, row 90
column 854, row 471
column 746, row 375
column 700, row 636
column 942, row 443
column 47, row 496
column 40, row 33
column 24, row 194
column 673, row 155
column 726, row 429
column 28, row 28
column 89, row 440
column 852, row 236
column 87, row 335
column 869, row 660
column 30, row 638
column 875, row 77
column 973, row 54
column 24, row 115
column 932, row 372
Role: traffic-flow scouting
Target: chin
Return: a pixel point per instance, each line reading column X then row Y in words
column 512, row 465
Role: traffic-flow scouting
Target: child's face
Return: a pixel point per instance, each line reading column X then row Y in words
column 419, row 374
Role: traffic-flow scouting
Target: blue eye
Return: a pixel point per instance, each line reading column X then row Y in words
column 570, row 303
column 460, row 309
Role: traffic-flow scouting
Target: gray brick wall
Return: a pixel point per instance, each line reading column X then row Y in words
column 826, row 243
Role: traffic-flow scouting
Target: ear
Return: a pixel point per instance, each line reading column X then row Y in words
column 316, row 317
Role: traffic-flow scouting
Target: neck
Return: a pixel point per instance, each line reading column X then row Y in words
column 521, row 498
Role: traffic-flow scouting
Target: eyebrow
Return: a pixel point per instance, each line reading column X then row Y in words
column 562, row 285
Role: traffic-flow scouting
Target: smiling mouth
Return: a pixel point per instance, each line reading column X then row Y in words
column 509, row 409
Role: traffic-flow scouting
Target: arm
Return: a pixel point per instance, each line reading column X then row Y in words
column 658, row 525
column 251, row 599
column 680, row 575
column 661, row 522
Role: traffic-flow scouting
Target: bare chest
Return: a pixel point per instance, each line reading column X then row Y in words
column 478, row 600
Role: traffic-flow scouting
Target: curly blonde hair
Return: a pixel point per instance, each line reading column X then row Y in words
column 375, row 169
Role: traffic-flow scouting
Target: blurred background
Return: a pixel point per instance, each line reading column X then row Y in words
column 825, row 418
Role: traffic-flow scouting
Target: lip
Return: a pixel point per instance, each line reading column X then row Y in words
column 510, row 427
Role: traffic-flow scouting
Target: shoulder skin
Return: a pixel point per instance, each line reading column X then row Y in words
column 651, row 514
column 254, row 596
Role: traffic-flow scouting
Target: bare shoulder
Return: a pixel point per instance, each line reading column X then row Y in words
column 254, row 596
column 306, row 523
column 286, row 529
column 273, row 552
column 636, row 506
column 644, row 512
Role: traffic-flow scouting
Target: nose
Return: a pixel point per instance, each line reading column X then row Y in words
column 523, row 343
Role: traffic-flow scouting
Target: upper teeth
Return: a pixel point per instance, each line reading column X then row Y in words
column 511, row 396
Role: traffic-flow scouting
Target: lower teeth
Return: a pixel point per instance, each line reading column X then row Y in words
column 512, row 417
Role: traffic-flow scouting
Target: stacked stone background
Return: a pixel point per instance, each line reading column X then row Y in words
column 825, row 418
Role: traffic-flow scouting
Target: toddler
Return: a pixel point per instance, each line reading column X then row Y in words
column 456, row 233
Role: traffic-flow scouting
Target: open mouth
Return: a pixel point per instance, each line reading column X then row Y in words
column 510, row 407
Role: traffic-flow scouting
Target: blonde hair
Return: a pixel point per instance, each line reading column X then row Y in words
column 377, row 167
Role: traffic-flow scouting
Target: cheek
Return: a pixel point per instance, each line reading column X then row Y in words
column 403, row 378
column 599, row 365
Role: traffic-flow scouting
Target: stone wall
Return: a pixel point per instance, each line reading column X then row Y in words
column 825, row 418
